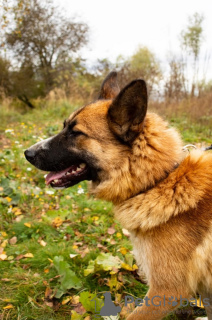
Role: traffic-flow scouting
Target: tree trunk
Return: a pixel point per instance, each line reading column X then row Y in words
column 25, row 100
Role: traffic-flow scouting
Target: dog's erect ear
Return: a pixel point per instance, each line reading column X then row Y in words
column 128, row 110
column 110, row 87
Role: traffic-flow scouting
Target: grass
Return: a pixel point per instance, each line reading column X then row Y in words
column 50, row 239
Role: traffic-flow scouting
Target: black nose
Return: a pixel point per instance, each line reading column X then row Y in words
column 29, row 154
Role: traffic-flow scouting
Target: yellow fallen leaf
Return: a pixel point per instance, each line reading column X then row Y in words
column 9, row 306
column 3, row 256
column 75, row 247
column 28, row 255
column 1, row 189
column 8, row 199
column 119, row 235
column 4, row 243
column 123, row 250
column 18, row 212
column 197, row 302
column 27, row 224
column 57, row 222
column 46, row 270
column 66, row 300
column 135, row 267
column 126, row 266
column 4, row 234
column 50, row 260
column 95, row 218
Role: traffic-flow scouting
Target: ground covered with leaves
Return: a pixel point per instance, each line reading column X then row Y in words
column 60, row 251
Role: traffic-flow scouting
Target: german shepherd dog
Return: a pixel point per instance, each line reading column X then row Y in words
column 161, row 195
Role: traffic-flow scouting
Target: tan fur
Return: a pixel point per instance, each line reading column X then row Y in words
column 161, row 195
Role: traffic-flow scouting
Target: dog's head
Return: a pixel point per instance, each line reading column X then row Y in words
column 98, row 143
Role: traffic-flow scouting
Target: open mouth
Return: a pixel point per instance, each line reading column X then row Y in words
column 68, row 177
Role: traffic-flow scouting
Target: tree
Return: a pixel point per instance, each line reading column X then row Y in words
column 4, row 75
column 191, row 40
column 175, row 82
column 45, row 39
column 143, row 64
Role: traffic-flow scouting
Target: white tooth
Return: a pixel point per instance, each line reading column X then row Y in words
column 53, row 182
column 82, row 165
column 59, row 188
column 68, row 173
column 78, row 169
column 56, row 180
column 73, row 171
column 45, row 175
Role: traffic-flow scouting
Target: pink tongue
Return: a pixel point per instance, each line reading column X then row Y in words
column 56, row 175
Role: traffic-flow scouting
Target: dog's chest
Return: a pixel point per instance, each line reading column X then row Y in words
column 142, row 253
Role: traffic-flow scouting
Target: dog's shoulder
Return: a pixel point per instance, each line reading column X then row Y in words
column 183, row 190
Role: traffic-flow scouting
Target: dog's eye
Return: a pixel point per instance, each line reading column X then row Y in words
column 76, row 133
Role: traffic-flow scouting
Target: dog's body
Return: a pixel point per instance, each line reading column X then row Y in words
column 161, row 196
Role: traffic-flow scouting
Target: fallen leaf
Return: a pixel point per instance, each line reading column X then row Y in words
column 16, row 211
column 4, row 243
column 126, row 310
column 66, row 300
column 57, row 222
column 75, row 299
column 5, row 279
column 111, row 230
column 73, row 255
column 80, row 309
column 27, row 224
column 3, row 256
column 125, row 232
column 78, row 243
column 83, row 254
column 197, row 303
column 75, row 315
column 4, row 234
column 9, row 306
column 28, row 255
column 123, row 250
column 19, row 257
column 48, row 292
column 126, row 266
column 49, row 304
column 95, row 218
column 78, row 234
column 35, row 275
column 119, row 235
column 13, row 240
column 42, row 243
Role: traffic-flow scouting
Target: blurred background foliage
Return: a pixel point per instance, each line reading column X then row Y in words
column 40, row 60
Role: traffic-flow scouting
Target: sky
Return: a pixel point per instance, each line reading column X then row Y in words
column 120, row 27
